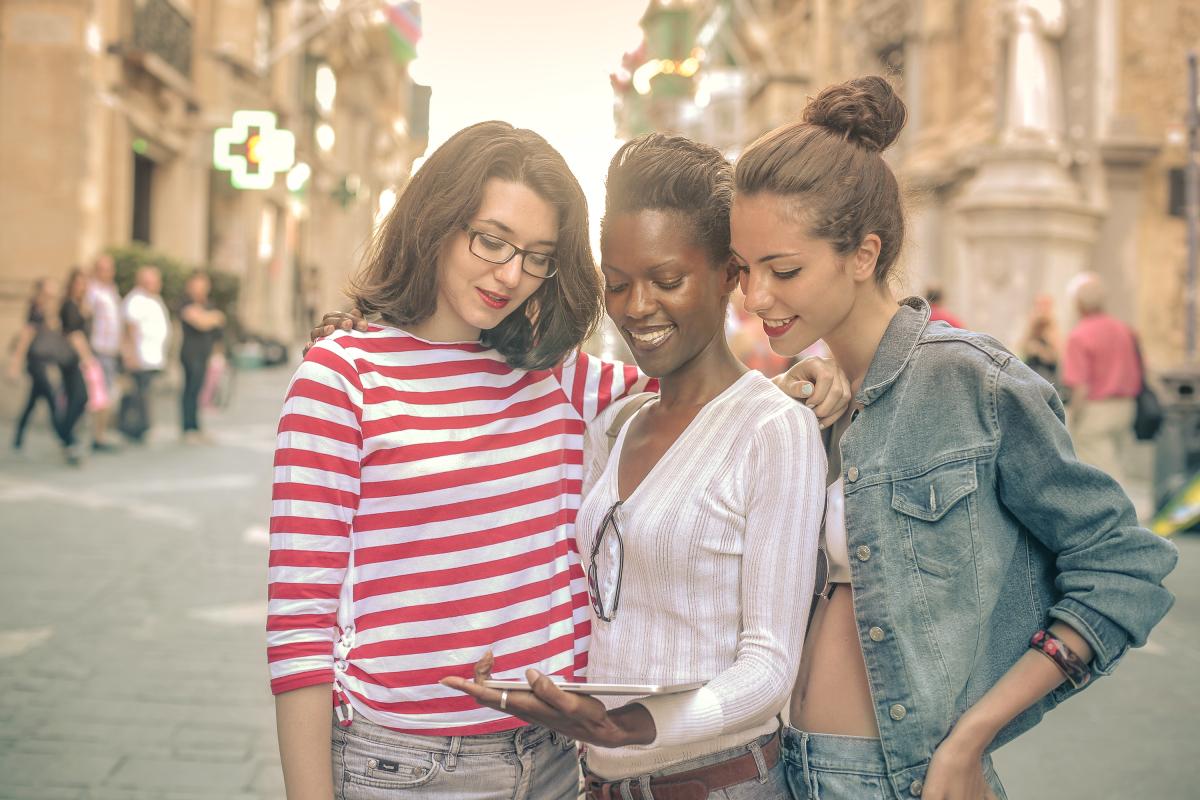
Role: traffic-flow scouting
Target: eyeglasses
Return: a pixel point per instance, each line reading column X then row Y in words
column 496, row 250
column 612, row 559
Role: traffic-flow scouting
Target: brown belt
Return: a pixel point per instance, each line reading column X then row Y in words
column 695, row 784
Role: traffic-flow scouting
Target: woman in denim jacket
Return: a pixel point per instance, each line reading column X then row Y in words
column 980, row 573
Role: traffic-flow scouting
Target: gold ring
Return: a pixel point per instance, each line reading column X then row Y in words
column 503, row 699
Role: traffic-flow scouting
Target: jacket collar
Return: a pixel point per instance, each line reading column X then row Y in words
column 895, row 349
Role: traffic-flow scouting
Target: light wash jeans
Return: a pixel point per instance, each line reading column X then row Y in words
column 822, row 766
column 529, row 763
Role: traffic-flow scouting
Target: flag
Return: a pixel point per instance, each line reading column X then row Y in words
column 404, row 29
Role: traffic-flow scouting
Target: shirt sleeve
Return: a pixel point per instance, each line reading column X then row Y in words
column 313, row 502
column 1110, row 569
column 783, row 518
column 591, row 385
column 72, row 319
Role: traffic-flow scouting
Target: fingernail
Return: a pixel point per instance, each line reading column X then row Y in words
column 328, row 329
column 806, row 390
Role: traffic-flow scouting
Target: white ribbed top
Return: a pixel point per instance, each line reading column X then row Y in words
column 720, row 546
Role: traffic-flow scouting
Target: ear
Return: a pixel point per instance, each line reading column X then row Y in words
column 731, row 277
column 865, row 257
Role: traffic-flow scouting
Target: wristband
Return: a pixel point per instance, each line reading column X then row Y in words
column 1067, row 662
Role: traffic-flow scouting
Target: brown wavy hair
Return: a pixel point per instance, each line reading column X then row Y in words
column 830, row 163
column 398, row 280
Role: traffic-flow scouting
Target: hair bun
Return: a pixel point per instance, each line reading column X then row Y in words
column 865, row 111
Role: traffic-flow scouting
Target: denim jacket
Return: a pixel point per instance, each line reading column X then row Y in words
column 971, row 525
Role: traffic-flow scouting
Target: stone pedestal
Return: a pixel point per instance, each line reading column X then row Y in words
column 1022, row 231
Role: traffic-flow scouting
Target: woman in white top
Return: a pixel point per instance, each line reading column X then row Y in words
column 699, row 529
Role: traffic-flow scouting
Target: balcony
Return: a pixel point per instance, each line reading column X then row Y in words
column 160, row 29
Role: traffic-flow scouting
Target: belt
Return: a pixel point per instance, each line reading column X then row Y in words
column 694, row 784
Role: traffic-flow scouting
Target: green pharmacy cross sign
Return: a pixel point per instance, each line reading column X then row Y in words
column 253, row 151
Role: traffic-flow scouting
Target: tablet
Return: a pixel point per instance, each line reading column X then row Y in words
column 601, row 688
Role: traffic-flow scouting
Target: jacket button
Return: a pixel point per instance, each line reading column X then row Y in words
column 862, row 552
column 916, row 787
column 852, row 474
column 898, row 712
column 876, row 635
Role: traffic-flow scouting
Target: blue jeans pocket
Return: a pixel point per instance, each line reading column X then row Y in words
column 370, row 770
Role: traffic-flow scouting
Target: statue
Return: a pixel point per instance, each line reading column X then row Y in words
column 1033, row 102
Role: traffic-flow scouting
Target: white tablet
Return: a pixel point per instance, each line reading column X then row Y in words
column 600, row 688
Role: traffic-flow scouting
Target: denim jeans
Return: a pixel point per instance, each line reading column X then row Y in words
column 770, row 785
column 821, row 766
column 529, row 763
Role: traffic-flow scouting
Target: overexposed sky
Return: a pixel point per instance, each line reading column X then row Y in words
column 540, row 64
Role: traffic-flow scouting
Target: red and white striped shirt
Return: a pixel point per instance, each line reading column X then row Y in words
column 423, row 513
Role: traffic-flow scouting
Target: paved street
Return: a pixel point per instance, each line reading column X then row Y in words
column 131, row 617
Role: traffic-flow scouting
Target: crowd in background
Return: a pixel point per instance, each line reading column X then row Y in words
column 88, row 349
column 85, row 348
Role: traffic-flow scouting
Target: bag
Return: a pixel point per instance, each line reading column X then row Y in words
column 97, row 386
column 51, row 347
column 1149, row 415
column 623, row 416
column 130, row 420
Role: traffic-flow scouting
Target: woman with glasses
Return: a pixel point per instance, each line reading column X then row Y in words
column 700, row 526
column 427, row 480
column 980, row 574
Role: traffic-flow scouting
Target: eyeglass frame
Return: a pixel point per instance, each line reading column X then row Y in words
column 592, row 576
column 474, row 233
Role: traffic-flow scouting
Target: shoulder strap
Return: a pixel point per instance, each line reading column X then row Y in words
column 623, row 416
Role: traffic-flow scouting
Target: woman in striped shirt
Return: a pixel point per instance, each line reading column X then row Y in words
column 701, row 524
column 427, row 480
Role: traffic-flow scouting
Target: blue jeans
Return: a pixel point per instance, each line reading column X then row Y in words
column 822, row 766
column 529, row 763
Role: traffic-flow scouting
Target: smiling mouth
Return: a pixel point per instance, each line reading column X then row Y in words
column 492, row 299
column 650, row 339
column 778, row 327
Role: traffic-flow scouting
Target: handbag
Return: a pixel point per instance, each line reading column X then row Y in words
column 51, row 347
column 1148, row 417
column 97, row 386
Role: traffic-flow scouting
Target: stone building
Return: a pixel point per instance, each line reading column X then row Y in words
column 108, row 110
column 1042, row 140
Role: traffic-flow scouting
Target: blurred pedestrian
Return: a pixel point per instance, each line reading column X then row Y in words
column 148, row 326
column 105, row 302
column 937, row 312
column 74, row 323
column 42, row 348
column 202, row 326
column 1102, row 371
column 1042, row 341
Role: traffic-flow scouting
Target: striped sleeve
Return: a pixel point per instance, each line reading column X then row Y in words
column 591, row 384
column 314, row 498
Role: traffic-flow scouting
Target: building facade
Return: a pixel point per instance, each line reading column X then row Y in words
column 108, row 110
column 1045, row 137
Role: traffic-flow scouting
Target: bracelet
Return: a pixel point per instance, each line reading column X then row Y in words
column 1075, row 671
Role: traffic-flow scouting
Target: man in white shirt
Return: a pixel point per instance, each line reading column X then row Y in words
column 149, row 325
column 107, row 330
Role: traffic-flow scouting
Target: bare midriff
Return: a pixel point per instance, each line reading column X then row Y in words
column 832, row 694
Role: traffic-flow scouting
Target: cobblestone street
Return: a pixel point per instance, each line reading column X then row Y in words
column 131, row 635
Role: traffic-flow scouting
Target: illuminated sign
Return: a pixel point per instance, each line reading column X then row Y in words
column 253, row 151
